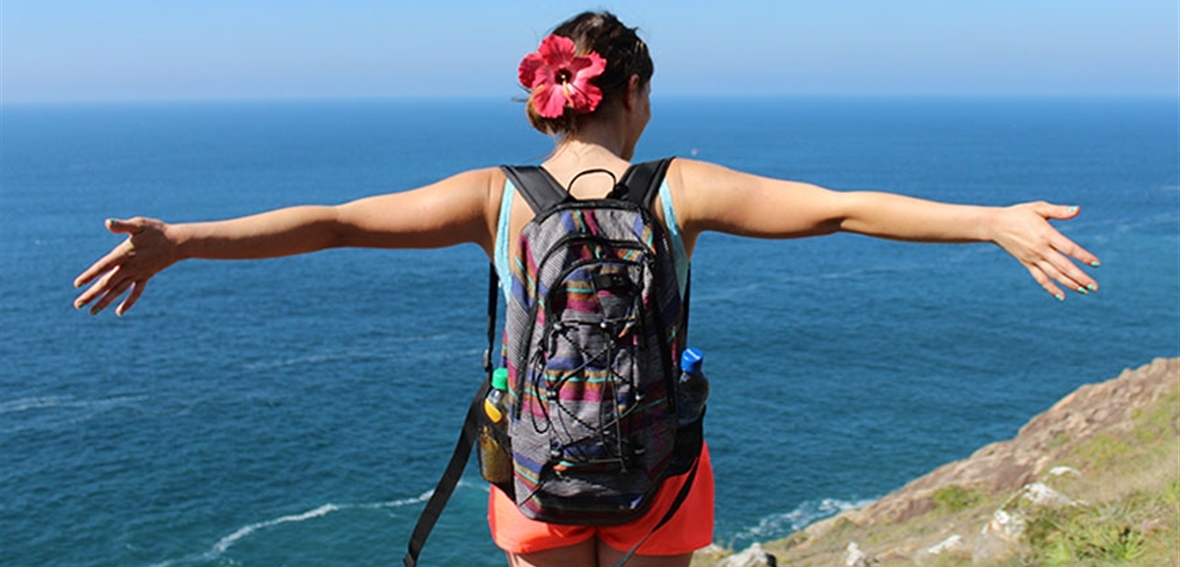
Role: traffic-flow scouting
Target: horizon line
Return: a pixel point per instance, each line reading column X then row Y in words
column 518, row 100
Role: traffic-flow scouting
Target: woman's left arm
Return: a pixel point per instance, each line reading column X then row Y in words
column 1021, row 230
column 719, row 199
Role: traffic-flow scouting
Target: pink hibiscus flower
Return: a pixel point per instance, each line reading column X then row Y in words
column 559, row 78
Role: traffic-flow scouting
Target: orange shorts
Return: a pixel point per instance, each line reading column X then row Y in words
column 690, row 528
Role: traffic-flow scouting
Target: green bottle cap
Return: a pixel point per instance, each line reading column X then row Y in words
column 500, row 379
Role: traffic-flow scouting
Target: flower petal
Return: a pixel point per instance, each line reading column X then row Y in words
column 558, row 51
column 528, row 69
column 593, row 63
column 549, row 100
column 584, row 96
column 585, row 100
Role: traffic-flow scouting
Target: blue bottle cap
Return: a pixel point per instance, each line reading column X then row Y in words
column 691, row 360
column 500, row 379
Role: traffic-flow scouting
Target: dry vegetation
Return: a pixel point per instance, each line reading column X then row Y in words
column 1124, row 483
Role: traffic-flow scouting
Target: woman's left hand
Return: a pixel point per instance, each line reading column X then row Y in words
column 1024, row 232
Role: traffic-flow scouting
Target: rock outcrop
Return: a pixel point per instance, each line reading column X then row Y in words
column 1006, row 466
column 1023, row 472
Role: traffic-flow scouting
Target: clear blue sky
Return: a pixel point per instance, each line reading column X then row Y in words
column 55, row 50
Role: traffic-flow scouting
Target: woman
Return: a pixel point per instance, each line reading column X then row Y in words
column 589, row 87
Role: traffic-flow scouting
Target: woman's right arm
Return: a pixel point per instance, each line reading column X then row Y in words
column 453, row 211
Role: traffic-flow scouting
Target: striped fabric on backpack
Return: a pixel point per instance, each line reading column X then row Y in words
column 592, row 339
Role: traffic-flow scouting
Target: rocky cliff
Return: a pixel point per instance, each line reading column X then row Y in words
column 1104, row 445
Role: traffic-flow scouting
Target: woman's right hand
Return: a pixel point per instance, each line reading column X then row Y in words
column 456, row 210
column 146, row 251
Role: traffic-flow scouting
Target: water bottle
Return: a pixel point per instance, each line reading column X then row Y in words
column 692, row 391
column 495, row 458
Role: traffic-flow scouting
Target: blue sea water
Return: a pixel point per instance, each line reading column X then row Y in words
column 296, row 411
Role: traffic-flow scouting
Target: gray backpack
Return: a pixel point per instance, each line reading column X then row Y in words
column 594, row 330
column 593, row 338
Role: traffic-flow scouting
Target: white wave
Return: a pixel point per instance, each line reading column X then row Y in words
column 226, row 542
column 49, row 402
column 53, row 412
column 223, row 545
column 807, row 513
column 402, row 502
column 25, row 404
column 233, row 538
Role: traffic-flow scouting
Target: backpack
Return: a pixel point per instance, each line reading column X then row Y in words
column 594, row 329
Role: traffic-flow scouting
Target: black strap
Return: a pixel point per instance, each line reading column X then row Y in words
column 450, row 478
column 493, row 301
column 643, row 180
column 685, row 303
column 542, row 192
column 539, row 189
column 680, row 497
column 467, row 436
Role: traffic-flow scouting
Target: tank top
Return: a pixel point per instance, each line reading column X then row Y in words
column 680, row 256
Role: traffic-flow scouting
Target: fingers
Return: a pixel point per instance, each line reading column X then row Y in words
column 107, row 294
column 1070, row 248
column 1059, row 212
column 105, row 290
column 1054, row 263
column 96, row 289
column 1046, row 282
column 1072, row 281
column 102, row 266
column 110, row 296
column 85, row 297
column 106, row 263
column 129, row 226
column 136, row 291
column 1060, row 242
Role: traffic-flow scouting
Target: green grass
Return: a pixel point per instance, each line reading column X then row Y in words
column 1132, row 481
column 1127, row 512
column 956, row 498
column 1109, row 534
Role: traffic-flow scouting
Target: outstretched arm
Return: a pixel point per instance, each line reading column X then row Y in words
column 715, row 198
column 449, row 212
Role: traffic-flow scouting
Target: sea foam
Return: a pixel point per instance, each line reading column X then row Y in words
column 784, row 524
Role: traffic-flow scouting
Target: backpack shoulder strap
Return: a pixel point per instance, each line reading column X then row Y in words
column 467, row 436
column 450, row 478
column 643, row 181
column 542, row 192
column 538, row 188
column 681, row 496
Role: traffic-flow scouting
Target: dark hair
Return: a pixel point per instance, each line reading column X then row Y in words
column 625, row 55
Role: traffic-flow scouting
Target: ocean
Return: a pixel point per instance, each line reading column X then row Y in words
column 297, row 411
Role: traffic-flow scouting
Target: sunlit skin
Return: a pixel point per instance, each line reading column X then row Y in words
column 707, row 197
